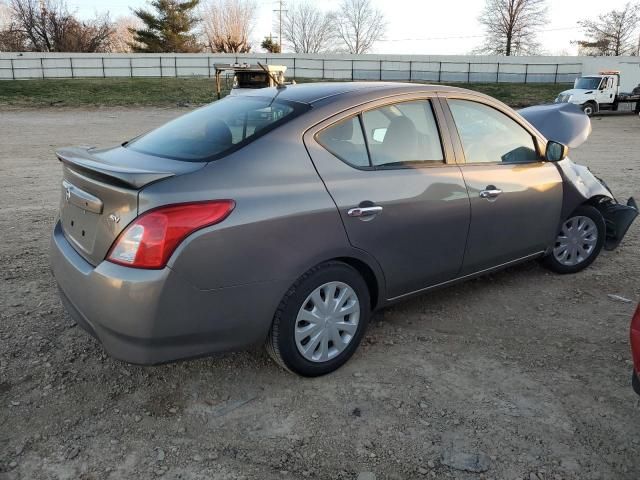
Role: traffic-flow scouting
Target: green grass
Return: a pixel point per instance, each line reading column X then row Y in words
column 195, row 91
column 519, row 95
column 106, row 92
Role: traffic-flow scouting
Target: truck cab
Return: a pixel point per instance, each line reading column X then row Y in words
column 594, row 93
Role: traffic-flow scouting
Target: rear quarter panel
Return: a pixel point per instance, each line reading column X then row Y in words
column 284, row 221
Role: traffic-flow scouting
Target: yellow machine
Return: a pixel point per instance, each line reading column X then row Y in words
column 247, row 77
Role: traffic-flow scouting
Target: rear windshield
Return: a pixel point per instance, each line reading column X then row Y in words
column 217, row 129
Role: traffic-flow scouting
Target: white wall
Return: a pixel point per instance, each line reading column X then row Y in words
column 444, row 68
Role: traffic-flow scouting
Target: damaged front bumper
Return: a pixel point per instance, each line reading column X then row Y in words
column 618, row 218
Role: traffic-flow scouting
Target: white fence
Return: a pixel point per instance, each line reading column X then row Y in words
column 431, row 68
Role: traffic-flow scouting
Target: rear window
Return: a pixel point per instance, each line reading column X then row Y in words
column 217, row 129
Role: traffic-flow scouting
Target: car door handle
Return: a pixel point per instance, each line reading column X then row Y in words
column 364, row 211
column 490, row 192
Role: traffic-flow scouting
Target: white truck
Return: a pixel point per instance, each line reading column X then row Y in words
column 594, row 93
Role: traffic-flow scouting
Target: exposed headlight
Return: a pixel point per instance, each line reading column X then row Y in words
column 564, row 98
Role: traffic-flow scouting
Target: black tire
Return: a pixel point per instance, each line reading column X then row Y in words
column 281, row 344
column 555, row 265
column 635, row 382
column 589, row 108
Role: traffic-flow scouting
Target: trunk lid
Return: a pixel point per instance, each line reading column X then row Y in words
column 100, row 193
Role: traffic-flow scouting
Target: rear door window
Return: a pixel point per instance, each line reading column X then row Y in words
column 217, row 129
column 345, row 140
column 403, row 134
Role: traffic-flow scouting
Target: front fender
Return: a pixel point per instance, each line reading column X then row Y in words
column 581, row 186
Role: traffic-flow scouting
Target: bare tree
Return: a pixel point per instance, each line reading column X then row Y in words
column 512, row 26
column 11, row 40
column 359, row 25
column 613, row 33
column 48, row 26
column 228, row 24
column 306, row 29
column 5, row 15
column 122, row 34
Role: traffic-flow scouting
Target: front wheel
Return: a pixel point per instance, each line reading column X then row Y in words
column 320, row 321
column 589, row 108
column 579, row 241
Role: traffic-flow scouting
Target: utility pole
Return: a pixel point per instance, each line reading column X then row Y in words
column 280, row 11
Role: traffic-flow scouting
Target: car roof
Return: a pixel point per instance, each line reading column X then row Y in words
column 311, row 93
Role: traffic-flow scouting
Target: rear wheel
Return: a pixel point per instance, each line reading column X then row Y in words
column 578, row 242
column 589, row 108
column 321, row 320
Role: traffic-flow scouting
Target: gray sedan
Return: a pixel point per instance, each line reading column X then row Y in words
column 287, row 216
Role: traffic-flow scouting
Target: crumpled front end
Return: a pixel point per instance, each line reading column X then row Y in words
column 618, row 218
column 582, row 186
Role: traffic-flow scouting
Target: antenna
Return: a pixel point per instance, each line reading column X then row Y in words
column 278, row 83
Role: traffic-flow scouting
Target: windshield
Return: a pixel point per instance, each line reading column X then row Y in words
column 217, row 129
column 587, row 83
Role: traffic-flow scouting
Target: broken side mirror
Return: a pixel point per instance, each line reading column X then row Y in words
column 556, row 151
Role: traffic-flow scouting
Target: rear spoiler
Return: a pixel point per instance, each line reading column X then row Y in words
column 561, row 122
column 81, row 160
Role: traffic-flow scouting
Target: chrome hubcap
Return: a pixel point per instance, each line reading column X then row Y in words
column 576, row 241
column 327, row 321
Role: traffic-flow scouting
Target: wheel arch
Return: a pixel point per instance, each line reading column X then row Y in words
column 593, row 103
column 369, row 276
column 595, row 201
column 363, row 263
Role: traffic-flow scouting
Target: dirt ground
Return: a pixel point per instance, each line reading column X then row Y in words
column 523, row 374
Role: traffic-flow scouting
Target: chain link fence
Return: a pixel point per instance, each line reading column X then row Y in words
column 95, row 66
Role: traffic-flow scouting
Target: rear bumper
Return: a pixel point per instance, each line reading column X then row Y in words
column 156, row 316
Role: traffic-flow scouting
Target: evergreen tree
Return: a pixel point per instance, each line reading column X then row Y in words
column 167, row 29
column 269, row 45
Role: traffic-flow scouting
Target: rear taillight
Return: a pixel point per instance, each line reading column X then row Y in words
column 635, row 339
column 150, row 239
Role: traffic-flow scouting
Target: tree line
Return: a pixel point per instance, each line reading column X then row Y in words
column 187, row 26
column 512, row 27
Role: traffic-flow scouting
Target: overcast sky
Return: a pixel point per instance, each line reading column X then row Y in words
column 416, row 26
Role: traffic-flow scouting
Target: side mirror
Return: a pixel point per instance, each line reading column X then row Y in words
column 556, row 151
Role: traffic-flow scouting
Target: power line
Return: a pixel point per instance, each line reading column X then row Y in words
column 280, row 10
column 458, row 37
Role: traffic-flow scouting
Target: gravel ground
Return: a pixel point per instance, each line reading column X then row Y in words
column 521, row 374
